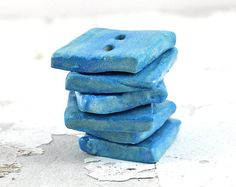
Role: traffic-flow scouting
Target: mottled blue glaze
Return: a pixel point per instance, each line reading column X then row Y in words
column 149, row 151
column 140, row 119
column 148, row 78
column 163, row 112
column 103, row 50
column 111, row 103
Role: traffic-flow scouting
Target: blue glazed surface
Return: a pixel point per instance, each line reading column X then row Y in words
column 148, row 78
column 140, row 119
column 103, row 50
column 111, row 103
column 163, row 112
column 149, row 151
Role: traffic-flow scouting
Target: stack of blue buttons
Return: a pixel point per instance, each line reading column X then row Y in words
column 117, row 94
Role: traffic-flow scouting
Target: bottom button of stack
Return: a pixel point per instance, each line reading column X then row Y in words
column 147, row 151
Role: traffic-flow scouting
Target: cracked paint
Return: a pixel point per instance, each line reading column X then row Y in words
column 105, row 169
column 8, row 156
column 6, row 169
column 21, row 126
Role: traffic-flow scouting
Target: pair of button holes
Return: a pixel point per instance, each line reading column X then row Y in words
column 111, row 47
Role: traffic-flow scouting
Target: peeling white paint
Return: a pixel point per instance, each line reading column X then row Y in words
column 105, row 169
column 24, row 127
column 6, row 169
column 29, row 138
column 8, row 156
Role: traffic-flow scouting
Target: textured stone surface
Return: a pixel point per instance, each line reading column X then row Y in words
column 111, row 103
column 148, row 151
column 102, row 50
column 140, row 119
column 148, row 78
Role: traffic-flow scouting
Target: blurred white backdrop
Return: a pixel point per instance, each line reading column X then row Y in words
column 62, row 8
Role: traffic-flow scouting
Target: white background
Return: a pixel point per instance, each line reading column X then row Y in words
column 62, row 8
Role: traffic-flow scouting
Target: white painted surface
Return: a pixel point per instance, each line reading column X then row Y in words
column 32, row 96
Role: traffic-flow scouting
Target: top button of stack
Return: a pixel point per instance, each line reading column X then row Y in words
column 106, row 50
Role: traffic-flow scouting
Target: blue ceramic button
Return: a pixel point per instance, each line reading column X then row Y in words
column 140, row 119
column 103, row 50
column 148, row 78
column 163, row 112
column 149, row 151
column 111, row 103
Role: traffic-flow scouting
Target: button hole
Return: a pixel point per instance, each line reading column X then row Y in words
column 108, row 47
column 120, row 37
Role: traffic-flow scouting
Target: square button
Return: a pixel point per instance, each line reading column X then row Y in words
column 148, row 151
column 105, row 50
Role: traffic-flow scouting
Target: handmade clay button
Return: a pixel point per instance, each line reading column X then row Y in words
column 148, row 78
column 163, row 112
column 111, row 103
column 140, row 119
column 103, row 50
column 148, row 151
